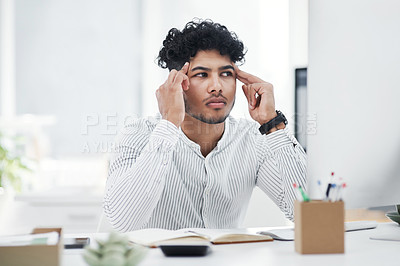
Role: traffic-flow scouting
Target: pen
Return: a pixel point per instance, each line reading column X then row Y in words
column 298, row 194
column 327, row 191
column 303, row 194
column 329, row 187
column 333, row 192
column 340, row 188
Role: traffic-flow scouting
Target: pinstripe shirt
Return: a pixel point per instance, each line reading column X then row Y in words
column 158, row 177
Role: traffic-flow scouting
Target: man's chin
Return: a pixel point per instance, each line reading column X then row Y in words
column 209, row 120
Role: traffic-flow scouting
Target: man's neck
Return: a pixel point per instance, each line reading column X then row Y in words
column 206, row 135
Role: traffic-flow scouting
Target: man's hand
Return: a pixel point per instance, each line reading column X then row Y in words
column 260, row 96
column 170, row 96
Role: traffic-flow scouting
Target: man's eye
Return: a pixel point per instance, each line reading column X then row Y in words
column 201, row 75
column 227, row 74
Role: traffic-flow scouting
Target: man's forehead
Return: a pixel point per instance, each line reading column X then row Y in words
column 204, row 68
column 210, row 57
column 210, row 66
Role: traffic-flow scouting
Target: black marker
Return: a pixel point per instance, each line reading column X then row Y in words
column 329, row 187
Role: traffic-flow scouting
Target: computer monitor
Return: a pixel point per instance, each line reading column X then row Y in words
column 354, row 92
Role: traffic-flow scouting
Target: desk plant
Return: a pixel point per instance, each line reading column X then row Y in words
column 116, row 251
column 11, row 166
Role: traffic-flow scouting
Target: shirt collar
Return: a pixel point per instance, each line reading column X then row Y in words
column 220, row 145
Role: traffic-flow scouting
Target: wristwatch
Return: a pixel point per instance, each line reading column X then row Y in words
column 265, row 128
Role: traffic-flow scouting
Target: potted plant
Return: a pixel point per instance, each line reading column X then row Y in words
column 11, row 166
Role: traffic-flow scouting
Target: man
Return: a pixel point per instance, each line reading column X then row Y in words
column 196, row 166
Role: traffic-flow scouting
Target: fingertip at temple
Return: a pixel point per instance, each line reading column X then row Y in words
column 185, row 67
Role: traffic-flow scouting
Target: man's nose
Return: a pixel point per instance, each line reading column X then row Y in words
column 215, row 84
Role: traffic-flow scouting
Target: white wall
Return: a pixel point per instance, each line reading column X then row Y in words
column 7, row 59
column 78, row 60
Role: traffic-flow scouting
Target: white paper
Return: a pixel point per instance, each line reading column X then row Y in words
column 26, row 240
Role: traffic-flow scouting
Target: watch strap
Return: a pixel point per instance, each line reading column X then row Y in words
column 265, row 128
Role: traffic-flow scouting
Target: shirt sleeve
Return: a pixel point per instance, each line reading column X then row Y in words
column 282, row 162
column 136, row 174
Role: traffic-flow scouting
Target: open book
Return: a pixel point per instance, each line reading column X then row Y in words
column 154, row 237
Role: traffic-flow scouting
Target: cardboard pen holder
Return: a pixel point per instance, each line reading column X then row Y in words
column 319, row 227
column 34, row 255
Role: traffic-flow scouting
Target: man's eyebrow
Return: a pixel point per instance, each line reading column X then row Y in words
column 227, row 67
column 209, row 69
column 201, row 68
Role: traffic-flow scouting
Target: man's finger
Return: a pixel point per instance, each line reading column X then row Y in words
column 171, row 77
column 185, row 82
column 241, row 75
column 244, row 80
column 185, row 68
column 181, row 81
column 183, row 71
column 252, row 95
column 246, row 91
column 245, row 77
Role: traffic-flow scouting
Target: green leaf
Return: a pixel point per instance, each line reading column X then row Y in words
column 12, row 167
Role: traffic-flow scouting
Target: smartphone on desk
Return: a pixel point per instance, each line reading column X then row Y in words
column 76, row 242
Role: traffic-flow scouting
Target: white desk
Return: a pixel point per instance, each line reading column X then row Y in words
column 359, row 250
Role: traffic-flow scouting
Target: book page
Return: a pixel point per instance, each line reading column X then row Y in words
column 280, row 234
column 151, row 236
column 219, row 236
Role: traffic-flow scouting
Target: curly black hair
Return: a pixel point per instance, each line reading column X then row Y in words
column 180, row 46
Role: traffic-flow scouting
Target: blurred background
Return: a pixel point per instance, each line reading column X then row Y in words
column 73, row 73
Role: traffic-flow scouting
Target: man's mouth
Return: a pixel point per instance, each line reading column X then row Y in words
column 218, row 102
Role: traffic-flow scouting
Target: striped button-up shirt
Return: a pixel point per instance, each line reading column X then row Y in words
column 159, row 178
